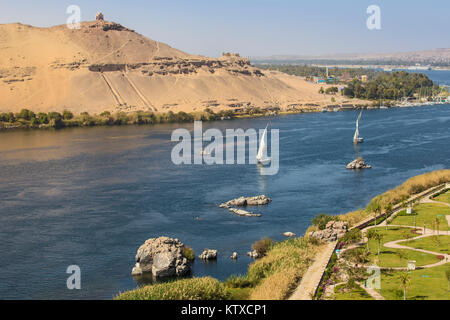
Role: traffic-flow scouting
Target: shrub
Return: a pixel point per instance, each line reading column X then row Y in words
column 42, row 118
column 54, row 116
column 206, row 288
column 188, row 253
column 353, row 236
column 25, row 114
column 262, row 246
column 322, row 219
column 67, row 115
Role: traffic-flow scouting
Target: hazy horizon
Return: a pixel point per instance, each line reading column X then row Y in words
column 260, row 28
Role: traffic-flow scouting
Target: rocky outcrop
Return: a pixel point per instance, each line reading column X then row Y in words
column 162, row 257
column 242, row 202
column 289, row 234
column 208, row 254
column 249, row 201
column 253, row 254
column 358, row 164
column 334, row 230
column 243, row 213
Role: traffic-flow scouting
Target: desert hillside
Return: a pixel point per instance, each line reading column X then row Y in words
column 105, row 66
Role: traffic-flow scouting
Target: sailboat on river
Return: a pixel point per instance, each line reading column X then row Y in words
column 356, row 138
column 262, row 157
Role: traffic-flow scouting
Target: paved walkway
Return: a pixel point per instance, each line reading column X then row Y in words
column 311, row 279
column 372, row 292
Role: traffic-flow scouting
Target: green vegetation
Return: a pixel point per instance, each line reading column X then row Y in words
column 424, row 284
column 444, row 197
column 392, row 86
column 186, row 289
column 188, row 252
column 426, row 213
column 412, row 186
column 433, row 243
column 262, row 246
column 353, row 236
column 388, row 257
column 321, row 220
column 344, row 292
column 28, row 119
column 327, row 275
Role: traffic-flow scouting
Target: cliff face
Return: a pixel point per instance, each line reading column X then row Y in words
column 106, row 66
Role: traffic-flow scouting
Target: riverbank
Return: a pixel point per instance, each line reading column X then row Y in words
column 269, row 278
column 27, row 119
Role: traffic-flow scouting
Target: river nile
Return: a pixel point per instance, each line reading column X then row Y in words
column 92, row 196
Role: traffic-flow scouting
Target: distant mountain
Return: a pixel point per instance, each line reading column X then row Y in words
column 106, row 66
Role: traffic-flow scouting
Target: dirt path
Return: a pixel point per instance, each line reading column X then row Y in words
column 311, row 279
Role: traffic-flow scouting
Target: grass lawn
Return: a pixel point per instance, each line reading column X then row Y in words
column 426, row 284
column 357, row 293
column 431, row 244
column 426, row 212
column 396, row 257
column 445, row 197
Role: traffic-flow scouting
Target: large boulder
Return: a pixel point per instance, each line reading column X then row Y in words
column 163, row 257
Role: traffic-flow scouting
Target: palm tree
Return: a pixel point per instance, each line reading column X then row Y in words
column 379, row 238
column 370, row 235
column 377, row 211
column 436, row 221
column 388, row 210
column 405, row 280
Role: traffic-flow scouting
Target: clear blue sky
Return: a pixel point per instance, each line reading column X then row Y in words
column 259, row 27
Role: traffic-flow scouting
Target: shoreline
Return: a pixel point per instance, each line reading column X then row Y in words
column 246, row 288
column 108, row 122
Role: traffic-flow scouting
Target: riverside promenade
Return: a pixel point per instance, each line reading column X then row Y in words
column 311, row 279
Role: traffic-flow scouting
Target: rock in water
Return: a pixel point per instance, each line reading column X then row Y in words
column 289, row 234
column 253, row 254
column 244, row 213
column 163, row 257
column 358, row 164
column 234, row 256
column 208, row 254
column 249, row 201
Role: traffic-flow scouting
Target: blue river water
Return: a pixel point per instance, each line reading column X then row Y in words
column 91, row 196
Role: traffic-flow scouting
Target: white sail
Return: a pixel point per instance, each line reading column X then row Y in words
column 262, row 151
column 356, row 137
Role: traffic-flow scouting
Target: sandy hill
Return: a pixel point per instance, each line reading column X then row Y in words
column 105, row 66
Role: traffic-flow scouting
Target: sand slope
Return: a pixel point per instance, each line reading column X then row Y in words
column 105, row 66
